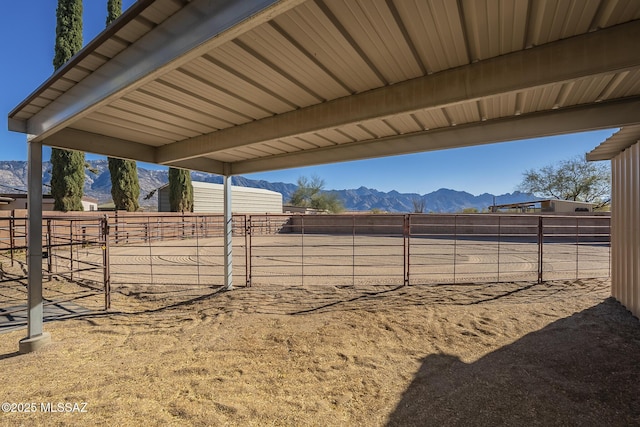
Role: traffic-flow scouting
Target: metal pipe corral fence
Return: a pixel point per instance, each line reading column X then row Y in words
column 171, row 253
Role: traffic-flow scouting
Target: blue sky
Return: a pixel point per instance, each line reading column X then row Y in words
column 27, row 28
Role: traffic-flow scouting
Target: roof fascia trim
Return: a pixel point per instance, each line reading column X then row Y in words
column 129, row 15
column 194, row 30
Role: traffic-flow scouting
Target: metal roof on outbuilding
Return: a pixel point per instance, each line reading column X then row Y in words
column 615, row 144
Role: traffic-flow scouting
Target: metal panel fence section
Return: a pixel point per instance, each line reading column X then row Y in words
column 423, row 249
column 468, row 248
column 321, row 249
column 73, row 250
column 165, row 253
column 173, row 254
column 13, row 237
column 573, row 248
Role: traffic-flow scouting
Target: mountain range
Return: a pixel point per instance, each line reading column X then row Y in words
column 13, row 178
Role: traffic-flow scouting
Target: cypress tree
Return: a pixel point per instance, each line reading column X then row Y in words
column 67, row 179
column 68, row 31
column 125, row 188
column 180, row 190
column 67, row 174
column 114, row 9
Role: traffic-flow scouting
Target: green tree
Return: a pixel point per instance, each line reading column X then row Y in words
column 180, row 190
column 67, row 179
column 114, row 10
column 573, row 179
column 68, row 31
column 310, row 194
column 125, row 187
column 470, row 210
column 67, row 167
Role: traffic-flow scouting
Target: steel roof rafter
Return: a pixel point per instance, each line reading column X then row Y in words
column 561, row 61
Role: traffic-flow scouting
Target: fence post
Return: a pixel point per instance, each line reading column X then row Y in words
column 302, row 248
column 455, row 245
column 353, row 250
column 195, row 228
column 49, row 249
column 71, row 249
column 12, row 238
column 182, row 225
column 406, row 230
column 499, row 240
column 540, row 249
column 117, row 227
column 577, row 246
column 151, row 253
column 247, row 250
column 106, row 262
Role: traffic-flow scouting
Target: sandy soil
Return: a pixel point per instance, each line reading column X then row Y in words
column 557, row 353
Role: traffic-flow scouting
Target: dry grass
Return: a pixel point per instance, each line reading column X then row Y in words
column 558, row 353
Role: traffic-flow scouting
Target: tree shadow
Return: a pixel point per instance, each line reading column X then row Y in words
column 15, row 318
column 581, row 370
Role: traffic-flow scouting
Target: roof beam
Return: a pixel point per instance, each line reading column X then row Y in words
column 203, row 165
column 611, row 114
column 605, row 51
column 74, row 139
column 194, row 30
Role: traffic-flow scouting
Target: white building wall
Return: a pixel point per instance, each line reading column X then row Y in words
column 569, row 206
column 208, row 198
column 625, row 228
column 89, row 205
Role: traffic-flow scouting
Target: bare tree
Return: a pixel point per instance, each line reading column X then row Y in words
column 573, row 179
column 419, row 203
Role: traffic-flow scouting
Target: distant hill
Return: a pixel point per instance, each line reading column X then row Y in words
column 13, row 176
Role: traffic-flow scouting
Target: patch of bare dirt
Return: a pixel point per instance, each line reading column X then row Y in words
column 557, row 353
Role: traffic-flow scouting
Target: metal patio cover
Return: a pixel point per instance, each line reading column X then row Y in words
column 234, row 87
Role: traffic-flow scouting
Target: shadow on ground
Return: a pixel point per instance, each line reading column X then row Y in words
column 581, row 370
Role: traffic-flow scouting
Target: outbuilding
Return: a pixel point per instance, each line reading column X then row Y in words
column 209, row 198
column 12, row 201
column 545, row 206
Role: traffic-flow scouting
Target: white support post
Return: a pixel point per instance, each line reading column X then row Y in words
column 35, row 337
column 228, row 235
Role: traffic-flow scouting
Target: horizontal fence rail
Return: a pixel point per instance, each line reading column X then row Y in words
column 169, row 253
column 73, row 250
column 174, row 250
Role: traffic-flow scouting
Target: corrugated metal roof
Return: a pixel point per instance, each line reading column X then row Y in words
column 242, row 86
column 615, row 144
